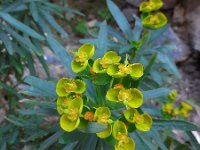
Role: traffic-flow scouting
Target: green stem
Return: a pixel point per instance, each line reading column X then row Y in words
column 111, row 83
column 99, row 95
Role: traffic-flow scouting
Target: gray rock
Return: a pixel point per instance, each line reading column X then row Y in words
column 128, row 12
column 193, row 23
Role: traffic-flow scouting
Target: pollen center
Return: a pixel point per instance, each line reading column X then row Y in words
column 103, row 119
column 70, row 87
column 73, row 114
column 122, row 139
column 125, row 69
column 138, row 118
column 81, row 57
column 105, row 62
column 124, row 95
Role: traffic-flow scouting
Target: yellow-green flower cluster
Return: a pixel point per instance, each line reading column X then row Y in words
column 151, row 17
column 69, row 102
column 170, row 109
column 70, row 97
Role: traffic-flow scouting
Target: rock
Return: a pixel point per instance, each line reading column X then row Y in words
column 193, row 22
column 180, row 51
column 179, row 15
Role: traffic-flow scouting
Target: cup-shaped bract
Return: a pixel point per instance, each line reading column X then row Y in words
column 101, row 64
column 151, row 5
column 120, row 133
column 154, row 20
column 70, row 120
column 84, row 53
column 143, row 122
column 65, row 86
column 102, row 116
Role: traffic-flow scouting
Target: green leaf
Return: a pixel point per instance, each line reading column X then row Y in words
column 94, row 127
column 34, row 11
column 120, row 19
column 155, row 93
column 51, row 140
column 174, row 124
column 54, row 24
column 42, row 104
column 102, row 41
column 6, row 41
column 61, row 8
column 141, row 142
column 155, row 34
column 137, row 31
column 101, row 79
column 47, row 112
column 70, row 146
column 20, row 26
column 44, row 86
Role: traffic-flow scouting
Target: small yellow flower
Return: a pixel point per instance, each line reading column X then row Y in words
column 102, row 116
column 143, row 122
column 168, row 108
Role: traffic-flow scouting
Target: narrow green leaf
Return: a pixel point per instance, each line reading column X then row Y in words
column 120, row 19
column 51, row 140
column 141, row 142
column 34, row 10
column 53, row 23
column 101, row 79
column 174, row 124
column 94, row 127
column 61, row 8
column 70, row 146
column 102, row 41
column 6, row 41
column 20, row 26
column 147, row 69
column 155, row 93
column 45, row 86
column 137, row 31
column 42, row 104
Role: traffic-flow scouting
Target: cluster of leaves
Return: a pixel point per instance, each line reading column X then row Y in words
column 25, row 27
column 170, row 110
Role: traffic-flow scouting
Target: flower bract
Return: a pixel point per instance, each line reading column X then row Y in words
column 120, row 133
column 154, row 20
column 70, row 120
column 143, row 122
column 102, row 116
column 65, row 86
column 131, row 97
column 80, row 62
column 151, row 5
column 101, row 64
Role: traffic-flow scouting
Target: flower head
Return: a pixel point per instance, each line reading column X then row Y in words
column 101, row 64
column 65, row 86
column 143, row 122
column 172, row 95
column 70, row 120
column 151, row 5
column 102, row 116
column 168, row 108
column 80, row 62
column 154, row 20
column 120, row 133
column 131, row 97
column 122, row 70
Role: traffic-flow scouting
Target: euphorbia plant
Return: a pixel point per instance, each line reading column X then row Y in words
column 70, row 102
